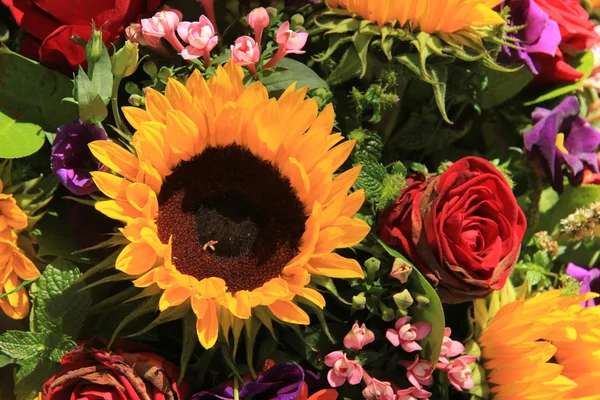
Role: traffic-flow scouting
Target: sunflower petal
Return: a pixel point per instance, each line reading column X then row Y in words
column 335, row 266
column 207, row 326
column 136, row 259
column 289, row 312
column 109, row 184
column 173, row 296
column 116, row 158
column 157, row 105
column 136, row 116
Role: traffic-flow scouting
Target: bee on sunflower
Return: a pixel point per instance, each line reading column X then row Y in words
column 230, row 202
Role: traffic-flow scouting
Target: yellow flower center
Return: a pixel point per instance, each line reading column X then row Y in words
column 560, row 143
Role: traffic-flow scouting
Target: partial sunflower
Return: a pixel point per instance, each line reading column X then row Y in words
column 545, row 347
column 230, row 200
column 15, row 267
column 426, row 15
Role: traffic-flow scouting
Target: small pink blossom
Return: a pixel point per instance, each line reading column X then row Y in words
column 412, row 393
column 401, row 270
column 290, row 42
column 201, row 37
column 358, row 337
column 209, row 9
column 245, row 51
column 258, row 19
column 406, row 333
column 134, row 34
column 459, row 372
column 378, row 390
column 162, row 25
column 450, row 348
column 342, row 369
column 419, row 372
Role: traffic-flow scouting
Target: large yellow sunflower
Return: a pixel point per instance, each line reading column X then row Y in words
column 15, row 267
column 543, row 348
column 230, row 199
column 428, row 15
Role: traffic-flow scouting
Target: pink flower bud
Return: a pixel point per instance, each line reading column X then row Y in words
column 293, row 42
column 258, row 19
column 450, row 348
column 342, row 369
column 412, row 393
column 405, row 334
column 245, row 51
column 419, row 372
column 200, row 35
column 134, row 34
column 401, row 270
column 459, row 373
column 162, row 25
column 358, row 337
column 378, row 390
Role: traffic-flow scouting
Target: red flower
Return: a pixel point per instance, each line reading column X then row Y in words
column 462, row 229
column 50, row 23
column 591, row 178
column 127, row 372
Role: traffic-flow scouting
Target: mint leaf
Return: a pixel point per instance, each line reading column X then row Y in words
column 22, row 345
column 5, row 360
column 371, row 179
column 59, row 306
column 31, row 376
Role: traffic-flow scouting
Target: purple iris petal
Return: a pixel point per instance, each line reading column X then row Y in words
column 71, row 159
column 556, row 159
column 588, row 278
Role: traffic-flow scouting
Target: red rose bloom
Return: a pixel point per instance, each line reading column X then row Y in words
column 461, row 229
column 127, row 372
column 50, row 23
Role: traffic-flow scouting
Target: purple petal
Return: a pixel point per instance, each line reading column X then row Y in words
column 582, row 137
column 577, row 272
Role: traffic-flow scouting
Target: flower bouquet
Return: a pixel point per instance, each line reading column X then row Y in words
column 299, row 199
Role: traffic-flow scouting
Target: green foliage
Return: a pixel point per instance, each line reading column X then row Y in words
column 287, row 71
column 381, row 187
column 30, row 103
column 377, row 98
column 503, row 86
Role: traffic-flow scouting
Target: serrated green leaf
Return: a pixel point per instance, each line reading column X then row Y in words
column 503, row 86
column 18, row 137
column 361, row 44
column 59, row 306
column 348, row 68
column 390, row 189
column 433, row 313
column 147, row 306
column 58, row 346
column 22, row 345
column 335, row 41
column 5, row 360
column 440, row 75
column 190, row 340
column 289, row 71
column 371, row 179
column 31, row 375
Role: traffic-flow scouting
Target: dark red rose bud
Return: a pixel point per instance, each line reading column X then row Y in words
column 462, row 229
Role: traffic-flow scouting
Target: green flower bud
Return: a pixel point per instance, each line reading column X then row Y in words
column 272, row 11
column 359, row 302
column 422, row 301
column 296, row 20
column 124, row 62
column 403, row 299
column 137, row 100
column 387, row 314
column 165, row 73
column 150, row 68
column 132, row 88
column 94, row 47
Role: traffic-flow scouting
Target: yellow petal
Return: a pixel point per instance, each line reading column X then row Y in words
column 143, row 199
column 120, row 210
column 157, row 105
column 174, row 296
column 335, row 266
column 343, row 182
column 23, row 266
column 136, row 116
column 116, row 158
column 355, row 231
column 109, row 184
column 289, row 312
column 207, row 326
column 353, row 203
column 136, row 259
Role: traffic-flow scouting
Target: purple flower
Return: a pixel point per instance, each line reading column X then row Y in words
column 283, row 381
column 540, row 34
column 71, row 159
column 562, row 142
column 589, row 281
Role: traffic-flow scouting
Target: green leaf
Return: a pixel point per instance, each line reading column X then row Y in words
column 440, row 75
column 289, row 71
column 571, row 199
column 433, row 313
column 91, row 106
column 349, row 67
column 32, row 93
column 100, row 71
column 31, row 376
column 503, row 86
column 22, row 345
column 190, row 340
column 361, row 44
column 58, row 305
column 371, row 180
column 583, row 63
column 18, row 137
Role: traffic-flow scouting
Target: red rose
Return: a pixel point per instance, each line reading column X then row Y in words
column 462, row 229
column 576, row 29
column 128, row 372
column 50, row 23
column 591, row 178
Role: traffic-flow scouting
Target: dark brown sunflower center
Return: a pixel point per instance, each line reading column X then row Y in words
column 231, row 215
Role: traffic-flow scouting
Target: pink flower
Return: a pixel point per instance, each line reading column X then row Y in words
column 401, row 270
column 358, row 337
column 459, row 372
column 378, row 390
column 245, row 51
column 258, row 19
column 134, row 34
column 342, row 369
column 289, row 42
column 200, row 35
column 450, row 348
column 162, row 25
column 419, row 372
column 405, row 334
column 412, row 393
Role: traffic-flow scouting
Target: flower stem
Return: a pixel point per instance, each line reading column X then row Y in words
column 236, row 391
column 115, row 106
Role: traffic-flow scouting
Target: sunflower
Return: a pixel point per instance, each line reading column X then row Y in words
column 230, row 199
column 428, row 15
column 545, row 347
column 14, row 265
